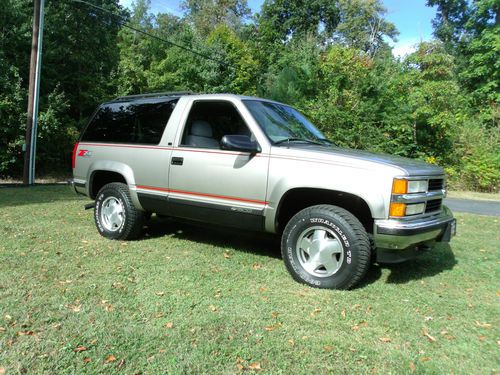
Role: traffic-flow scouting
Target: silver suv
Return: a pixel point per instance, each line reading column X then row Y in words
column 259, row 165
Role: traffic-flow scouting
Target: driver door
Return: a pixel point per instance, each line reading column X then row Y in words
column 213, row 185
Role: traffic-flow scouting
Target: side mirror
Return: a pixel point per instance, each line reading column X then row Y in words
column 239, row 143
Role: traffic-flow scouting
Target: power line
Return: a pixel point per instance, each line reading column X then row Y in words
column 124, row 24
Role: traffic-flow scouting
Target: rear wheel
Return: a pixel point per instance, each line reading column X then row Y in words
column 325, row 246
column 115, row 215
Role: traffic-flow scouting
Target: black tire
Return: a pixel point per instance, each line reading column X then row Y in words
column 131, row 220
column 342, row 232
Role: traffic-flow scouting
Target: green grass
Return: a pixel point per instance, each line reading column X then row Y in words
column 475, row 195
column 188, row 299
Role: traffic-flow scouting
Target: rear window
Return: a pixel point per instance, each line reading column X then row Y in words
column 130, row 122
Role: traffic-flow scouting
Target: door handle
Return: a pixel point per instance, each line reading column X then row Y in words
column 177, row 160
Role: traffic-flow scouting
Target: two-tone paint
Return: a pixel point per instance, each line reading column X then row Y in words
column 243, row 189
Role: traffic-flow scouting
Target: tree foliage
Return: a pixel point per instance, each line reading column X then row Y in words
column 329, row 58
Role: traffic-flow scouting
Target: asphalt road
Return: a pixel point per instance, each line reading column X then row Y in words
column 491, row 208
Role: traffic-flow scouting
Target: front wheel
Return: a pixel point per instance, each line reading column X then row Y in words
column 325, row 246
column 115, row 215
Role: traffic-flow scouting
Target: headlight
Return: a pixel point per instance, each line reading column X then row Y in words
column 401, row 186
column 418, row 186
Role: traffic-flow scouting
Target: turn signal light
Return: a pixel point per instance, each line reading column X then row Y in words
column 399, row 186
column 397, row 209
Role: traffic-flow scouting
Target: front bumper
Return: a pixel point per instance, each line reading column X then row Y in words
column 400, row 235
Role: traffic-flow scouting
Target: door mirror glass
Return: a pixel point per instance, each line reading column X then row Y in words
column 239, row 143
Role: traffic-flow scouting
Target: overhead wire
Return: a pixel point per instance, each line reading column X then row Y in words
column 124, row 22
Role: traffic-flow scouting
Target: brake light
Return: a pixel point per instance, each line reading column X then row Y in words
column 73, row 157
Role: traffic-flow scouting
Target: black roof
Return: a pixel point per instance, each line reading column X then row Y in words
column 153, row 95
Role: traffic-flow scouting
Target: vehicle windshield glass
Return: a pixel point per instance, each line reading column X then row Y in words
column 282, row 123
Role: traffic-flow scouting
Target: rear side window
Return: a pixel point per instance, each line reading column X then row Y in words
column 129, row 122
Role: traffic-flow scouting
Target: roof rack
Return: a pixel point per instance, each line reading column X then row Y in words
column 154, row 95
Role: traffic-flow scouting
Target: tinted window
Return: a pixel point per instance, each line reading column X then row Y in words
column 129, row 122
column 209, row 121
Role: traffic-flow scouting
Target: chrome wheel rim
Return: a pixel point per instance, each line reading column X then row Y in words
column 112, row 214
column 319, row 251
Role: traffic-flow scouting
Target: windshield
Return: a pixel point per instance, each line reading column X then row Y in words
column 282, row 123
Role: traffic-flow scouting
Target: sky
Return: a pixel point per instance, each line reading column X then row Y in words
column 411, row 17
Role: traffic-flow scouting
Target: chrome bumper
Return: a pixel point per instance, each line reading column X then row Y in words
column 399, row 234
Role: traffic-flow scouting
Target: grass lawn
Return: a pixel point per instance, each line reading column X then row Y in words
column 188, row 299
column 474, row 195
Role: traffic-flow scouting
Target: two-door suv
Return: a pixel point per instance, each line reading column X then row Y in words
column 259, row 165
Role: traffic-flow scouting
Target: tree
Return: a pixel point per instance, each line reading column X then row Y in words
column 450, row 20
column 206, row 15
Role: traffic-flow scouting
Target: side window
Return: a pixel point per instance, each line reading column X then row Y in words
column 129, row 122
column 209, row 121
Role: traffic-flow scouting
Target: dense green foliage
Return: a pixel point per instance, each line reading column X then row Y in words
column 329, row 58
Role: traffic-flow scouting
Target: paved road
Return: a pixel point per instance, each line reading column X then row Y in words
column 490, row 208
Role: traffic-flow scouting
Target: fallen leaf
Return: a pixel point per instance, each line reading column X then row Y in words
column 212, row 308
column 160, row 294
column 120, row 364
column 227, row 255
column 291, row 342
column 425, row 359
column 385, row 339
column 359, row 325
column 483, row 325
column 275, row 314
column 2, row 370
column 269, row 328
column 328, row 348
column 427, row 318
column 481, row 338
column 239, row 366
column 254, row 366
column 110, row 358
column 2, row 329
column 356, row 306
column 169, row 325
column 498, row 294
column 262, row 289
column 412, row 367
column 315, row 311
column 8, row 317
column 109, row 307
column 85, row 241
column 74, row 308
column 343, row 313
column 256, row 266
column 80, row 349
column 87, row 360
column 426, row 334
column 26, row 333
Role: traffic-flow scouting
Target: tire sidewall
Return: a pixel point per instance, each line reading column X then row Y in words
column 104, row 193
column 344, row 233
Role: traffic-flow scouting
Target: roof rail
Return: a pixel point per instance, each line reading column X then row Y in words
column 154, row 95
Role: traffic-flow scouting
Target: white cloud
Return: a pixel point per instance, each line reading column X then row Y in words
column 404, row 47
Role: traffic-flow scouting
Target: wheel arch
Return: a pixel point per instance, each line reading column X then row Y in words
column 296, row 199
column 103, row 172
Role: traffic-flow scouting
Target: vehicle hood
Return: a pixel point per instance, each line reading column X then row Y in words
column 410, row 167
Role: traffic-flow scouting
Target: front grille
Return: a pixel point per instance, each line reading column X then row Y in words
column 435, row 184
column 433, row 205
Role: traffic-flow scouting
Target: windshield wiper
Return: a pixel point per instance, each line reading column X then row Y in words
column 327, row 141
column 294, row 139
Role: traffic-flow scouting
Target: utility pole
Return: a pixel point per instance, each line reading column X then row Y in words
column 34, row 93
